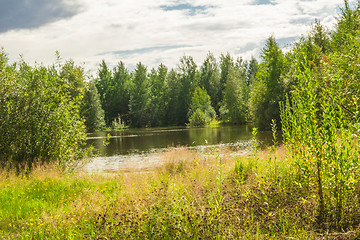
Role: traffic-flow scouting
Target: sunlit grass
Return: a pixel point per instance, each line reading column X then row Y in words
column 191, row 195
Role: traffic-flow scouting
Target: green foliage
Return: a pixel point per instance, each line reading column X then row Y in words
column 139, row 97
column 201, row 112
column 210, row 80
column 39, row 114
column 252, row 69
column 321, row 119
column 319, row 37
column 73, row 78
column 103, row 85
column 118, row 124
column 315, row 46
column 344, row 64
column 268, row 90
column 201, row 100
column 164, row 97
column 226, row 64
column 173, row 87
column 121, row 96
column 188, row 77
column 320, row 138
column 199, row 118
column 114, row 89
column 234, row 107
column 91, row 109
column 347, row 26
column 159, row 97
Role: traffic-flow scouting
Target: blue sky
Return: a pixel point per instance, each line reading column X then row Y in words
column 150, row 31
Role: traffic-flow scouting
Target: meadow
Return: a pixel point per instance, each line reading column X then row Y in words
column 192, row 195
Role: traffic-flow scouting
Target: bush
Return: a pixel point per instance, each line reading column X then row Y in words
column 39, row 118
column 199, row 118
column 201, row 112
column 322, row 141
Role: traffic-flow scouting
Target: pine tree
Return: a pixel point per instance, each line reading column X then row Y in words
column 139, row 97
column 210, row 79
column 91, row 109
column 158, row 99
column 188, row 76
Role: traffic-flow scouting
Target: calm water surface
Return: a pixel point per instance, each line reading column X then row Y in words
column 140, row 148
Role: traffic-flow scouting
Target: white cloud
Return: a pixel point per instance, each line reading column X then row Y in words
column 237, row 27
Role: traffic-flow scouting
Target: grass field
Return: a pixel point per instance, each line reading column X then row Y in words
column 212, row 195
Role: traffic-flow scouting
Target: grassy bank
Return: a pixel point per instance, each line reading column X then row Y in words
column 216, row 195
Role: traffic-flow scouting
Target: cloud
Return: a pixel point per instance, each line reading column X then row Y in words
column 25, row 14
column 187, row 8
column 301, row 20
column 287, row 41
column 264, row 2
column 156, row 31
column 247, row 47
column 144, row 50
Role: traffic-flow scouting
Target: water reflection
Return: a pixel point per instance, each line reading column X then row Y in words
column 146, row 140
column 139, row 146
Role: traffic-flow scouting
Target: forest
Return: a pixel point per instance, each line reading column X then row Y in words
column 311, row 93
column 232, row 91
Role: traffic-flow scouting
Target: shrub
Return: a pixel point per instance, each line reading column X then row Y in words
column 39, row 117
column 199, row 118
column 201, row 112
column 321, row 139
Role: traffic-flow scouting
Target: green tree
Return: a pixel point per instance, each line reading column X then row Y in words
column 173, row 86
column 201, row 112
column 91, row 109
column 114, row 89
column 235, row 95
column 39, row 115
column 103, row 85
column 347, row 26
column 139, row 97
column 252, row 69
column 188, row 77
column 319, row 134
column 319, row 37
column 74, row 79
column 158, row 99
column 268, row 89
column 316, row 47
column 210, row 79
column 226, row 64
column 321, row 120
column 121, row 95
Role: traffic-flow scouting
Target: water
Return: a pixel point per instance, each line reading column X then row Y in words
column 139, row 148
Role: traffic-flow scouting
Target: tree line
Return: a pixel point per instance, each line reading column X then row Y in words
column 188, row 94
column 229, row 90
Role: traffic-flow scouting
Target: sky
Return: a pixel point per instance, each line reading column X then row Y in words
column 153, row 32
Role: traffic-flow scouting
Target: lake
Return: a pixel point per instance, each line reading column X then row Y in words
column 141, row 147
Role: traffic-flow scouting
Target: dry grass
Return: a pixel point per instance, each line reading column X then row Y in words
column 190, row 195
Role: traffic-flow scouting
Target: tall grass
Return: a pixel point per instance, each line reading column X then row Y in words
column 321, row 140
column 192, row 195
